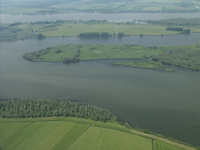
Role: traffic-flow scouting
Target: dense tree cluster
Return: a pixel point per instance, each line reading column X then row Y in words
column 174, row 28
column 35, row 107
column 120, row 35
column 74, row 59
column 15, row 24
column 35, row 55
column 186, row 31
column 96, row 34
column 182, row 58
column 40, row 36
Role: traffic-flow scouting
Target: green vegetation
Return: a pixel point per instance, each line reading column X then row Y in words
column 177, row 22
column 181, row 24
column 74, row 133
column 94, row 34
column 90, row 52
column 103, row 6
column 144, row 64
column 163, row 146
column 30, row 107
column 187, row 58
column 11, row 33
column 182, row 56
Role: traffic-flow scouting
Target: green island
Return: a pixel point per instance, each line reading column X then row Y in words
column 17, row 30
column 144, row 64
column 91, row 52
column 101, row 6
column 42, row 123
column 182, row 56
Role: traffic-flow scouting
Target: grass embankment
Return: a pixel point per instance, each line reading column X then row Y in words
column 73, row 133
column 144, row 64
column 91, row 52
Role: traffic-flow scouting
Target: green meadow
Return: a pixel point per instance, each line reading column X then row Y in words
column 61, row 133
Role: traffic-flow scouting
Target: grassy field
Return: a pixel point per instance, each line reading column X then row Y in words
column 71, row 133
column 91, row 52
column 144, row 64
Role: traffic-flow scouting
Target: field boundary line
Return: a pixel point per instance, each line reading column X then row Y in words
column 79, row 137
column 152, row 145
column 116, row 29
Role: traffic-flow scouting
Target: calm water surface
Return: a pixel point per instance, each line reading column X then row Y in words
column 163, row 102
column 115, row 17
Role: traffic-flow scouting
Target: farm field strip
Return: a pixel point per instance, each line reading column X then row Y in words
column 43, row 135
column 108, row 139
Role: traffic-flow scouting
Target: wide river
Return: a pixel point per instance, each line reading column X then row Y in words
column 164, row 102
column 113, row 17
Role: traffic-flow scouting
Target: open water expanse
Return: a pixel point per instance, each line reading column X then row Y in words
column 164, row 102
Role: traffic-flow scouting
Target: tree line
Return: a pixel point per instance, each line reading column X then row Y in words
column 176, row 22
column 186, row 31
column 97, row 34
column 174, row 28
column 44, row 107
column 35, row 55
